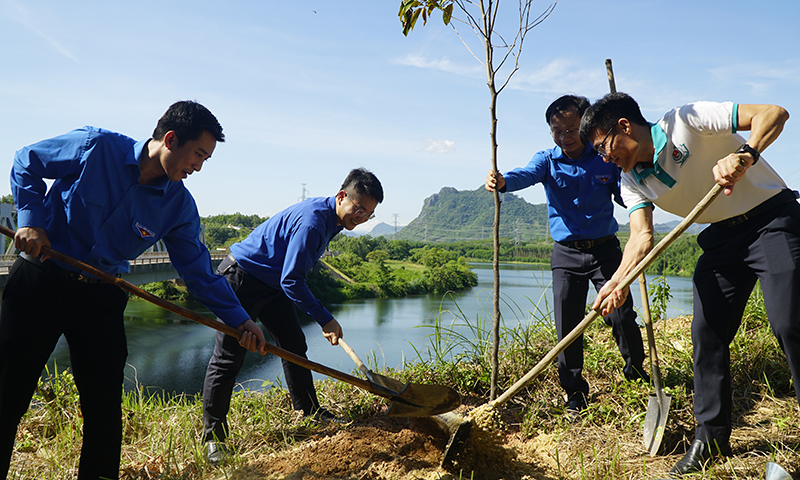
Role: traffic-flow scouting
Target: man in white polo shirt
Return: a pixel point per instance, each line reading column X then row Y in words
column 754, row 232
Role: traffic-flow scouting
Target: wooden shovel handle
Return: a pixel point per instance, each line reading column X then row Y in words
column 355, row 358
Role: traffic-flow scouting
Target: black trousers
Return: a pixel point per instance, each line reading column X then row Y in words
column 573, row 269
column 37, row 308
column 277, row 313
column 765, row 248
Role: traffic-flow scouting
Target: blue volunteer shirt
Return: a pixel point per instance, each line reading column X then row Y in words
column 96, row 211
column 579, row 192
column 281, row 251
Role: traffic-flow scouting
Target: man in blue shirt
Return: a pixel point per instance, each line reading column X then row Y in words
column 267, row 270
column 579, row 187
column 111, row 199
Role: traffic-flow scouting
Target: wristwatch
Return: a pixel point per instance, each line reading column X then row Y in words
column 745, row 148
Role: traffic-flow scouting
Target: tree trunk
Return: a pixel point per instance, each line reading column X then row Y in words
column 487, row 29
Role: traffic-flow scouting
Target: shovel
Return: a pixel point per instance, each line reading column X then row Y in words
column 438, row 398
column 410, row 405
column 655, row 420
column 581, row 327
column 658, row 404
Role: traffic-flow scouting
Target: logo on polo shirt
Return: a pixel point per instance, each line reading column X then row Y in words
column 604, row 178
column 144, row 231
column 680, row 154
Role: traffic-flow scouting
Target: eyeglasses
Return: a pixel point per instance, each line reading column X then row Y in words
column 601, row 148
column 360, row 212
column 565, row 133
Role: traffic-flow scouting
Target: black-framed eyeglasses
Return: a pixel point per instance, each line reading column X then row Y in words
column 360, row 212
column 565, row 133
column 601, row 147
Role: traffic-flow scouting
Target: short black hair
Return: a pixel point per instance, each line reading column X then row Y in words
column 363, row 182
column 607, row 111
column 564, row 103
column 188, row 119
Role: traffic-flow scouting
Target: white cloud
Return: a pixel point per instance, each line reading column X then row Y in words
column 442, row 65
column 559, row 76
column 29, row 19
column 439, row 147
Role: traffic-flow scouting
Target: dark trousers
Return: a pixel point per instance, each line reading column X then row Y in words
column 277, row 313
column 573, row 269
column 765, row 248
column 37, row 308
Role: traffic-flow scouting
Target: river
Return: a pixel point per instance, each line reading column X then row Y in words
column 167, row 353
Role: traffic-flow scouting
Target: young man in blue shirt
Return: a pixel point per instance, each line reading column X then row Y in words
column 111, row 199
column 579, row 187
column 267, row 270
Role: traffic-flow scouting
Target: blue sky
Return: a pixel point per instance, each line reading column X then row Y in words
column 306, row 90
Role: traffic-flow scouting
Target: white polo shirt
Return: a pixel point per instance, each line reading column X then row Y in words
column 688, row 142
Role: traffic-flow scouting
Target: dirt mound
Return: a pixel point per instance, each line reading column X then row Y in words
column 385, row 448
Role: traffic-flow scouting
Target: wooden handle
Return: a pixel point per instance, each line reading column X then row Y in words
column 655, row 371
column 612, row 86
column 355, row 358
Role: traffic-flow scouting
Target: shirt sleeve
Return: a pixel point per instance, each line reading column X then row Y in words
column 531, row 174
column 300, row 257
column 632, row 196
column 710, row 118
column 193, row 262
column 54, row 158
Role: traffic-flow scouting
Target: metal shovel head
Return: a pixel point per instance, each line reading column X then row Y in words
column 655, row 421
column 775, row 472
column 414, row 399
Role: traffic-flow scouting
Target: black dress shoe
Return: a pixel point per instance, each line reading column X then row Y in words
column 217, row 453
column 575, row 406
column 699, row 453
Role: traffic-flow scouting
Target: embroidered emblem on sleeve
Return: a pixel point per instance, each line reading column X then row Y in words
column 680, row 154
column 144, row 231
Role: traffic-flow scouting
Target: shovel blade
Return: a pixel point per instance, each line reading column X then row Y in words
column 655, row 421
column 414, row 399
column 776, row 472
column 388, row 383
column 417, row 400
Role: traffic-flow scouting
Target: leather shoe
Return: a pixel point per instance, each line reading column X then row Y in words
column 638, row 374
column 576, row 404
column 699, row 453
column 217, row 453
column 325, row 417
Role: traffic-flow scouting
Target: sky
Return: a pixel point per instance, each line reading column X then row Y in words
column 308, row 89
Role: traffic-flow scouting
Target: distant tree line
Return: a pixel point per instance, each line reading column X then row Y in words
column 222, row 231
column 365, row 261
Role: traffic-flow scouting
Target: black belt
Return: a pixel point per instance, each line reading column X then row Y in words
column 587, row 244
column 51, row 267
column 784, row 196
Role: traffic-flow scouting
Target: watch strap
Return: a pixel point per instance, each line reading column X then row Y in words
column 745, row 148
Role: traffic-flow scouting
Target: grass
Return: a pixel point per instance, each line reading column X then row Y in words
column 162, row 435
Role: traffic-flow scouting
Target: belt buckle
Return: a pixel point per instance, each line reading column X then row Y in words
column 583, row 244
column 736, row 220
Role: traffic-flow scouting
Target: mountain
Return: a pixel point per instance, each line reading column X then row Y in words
column 381, row 229
column 452, row 216
column 384, row 229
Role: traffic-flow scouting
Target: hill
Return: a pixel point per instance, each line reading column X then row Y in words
column 452, row 216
